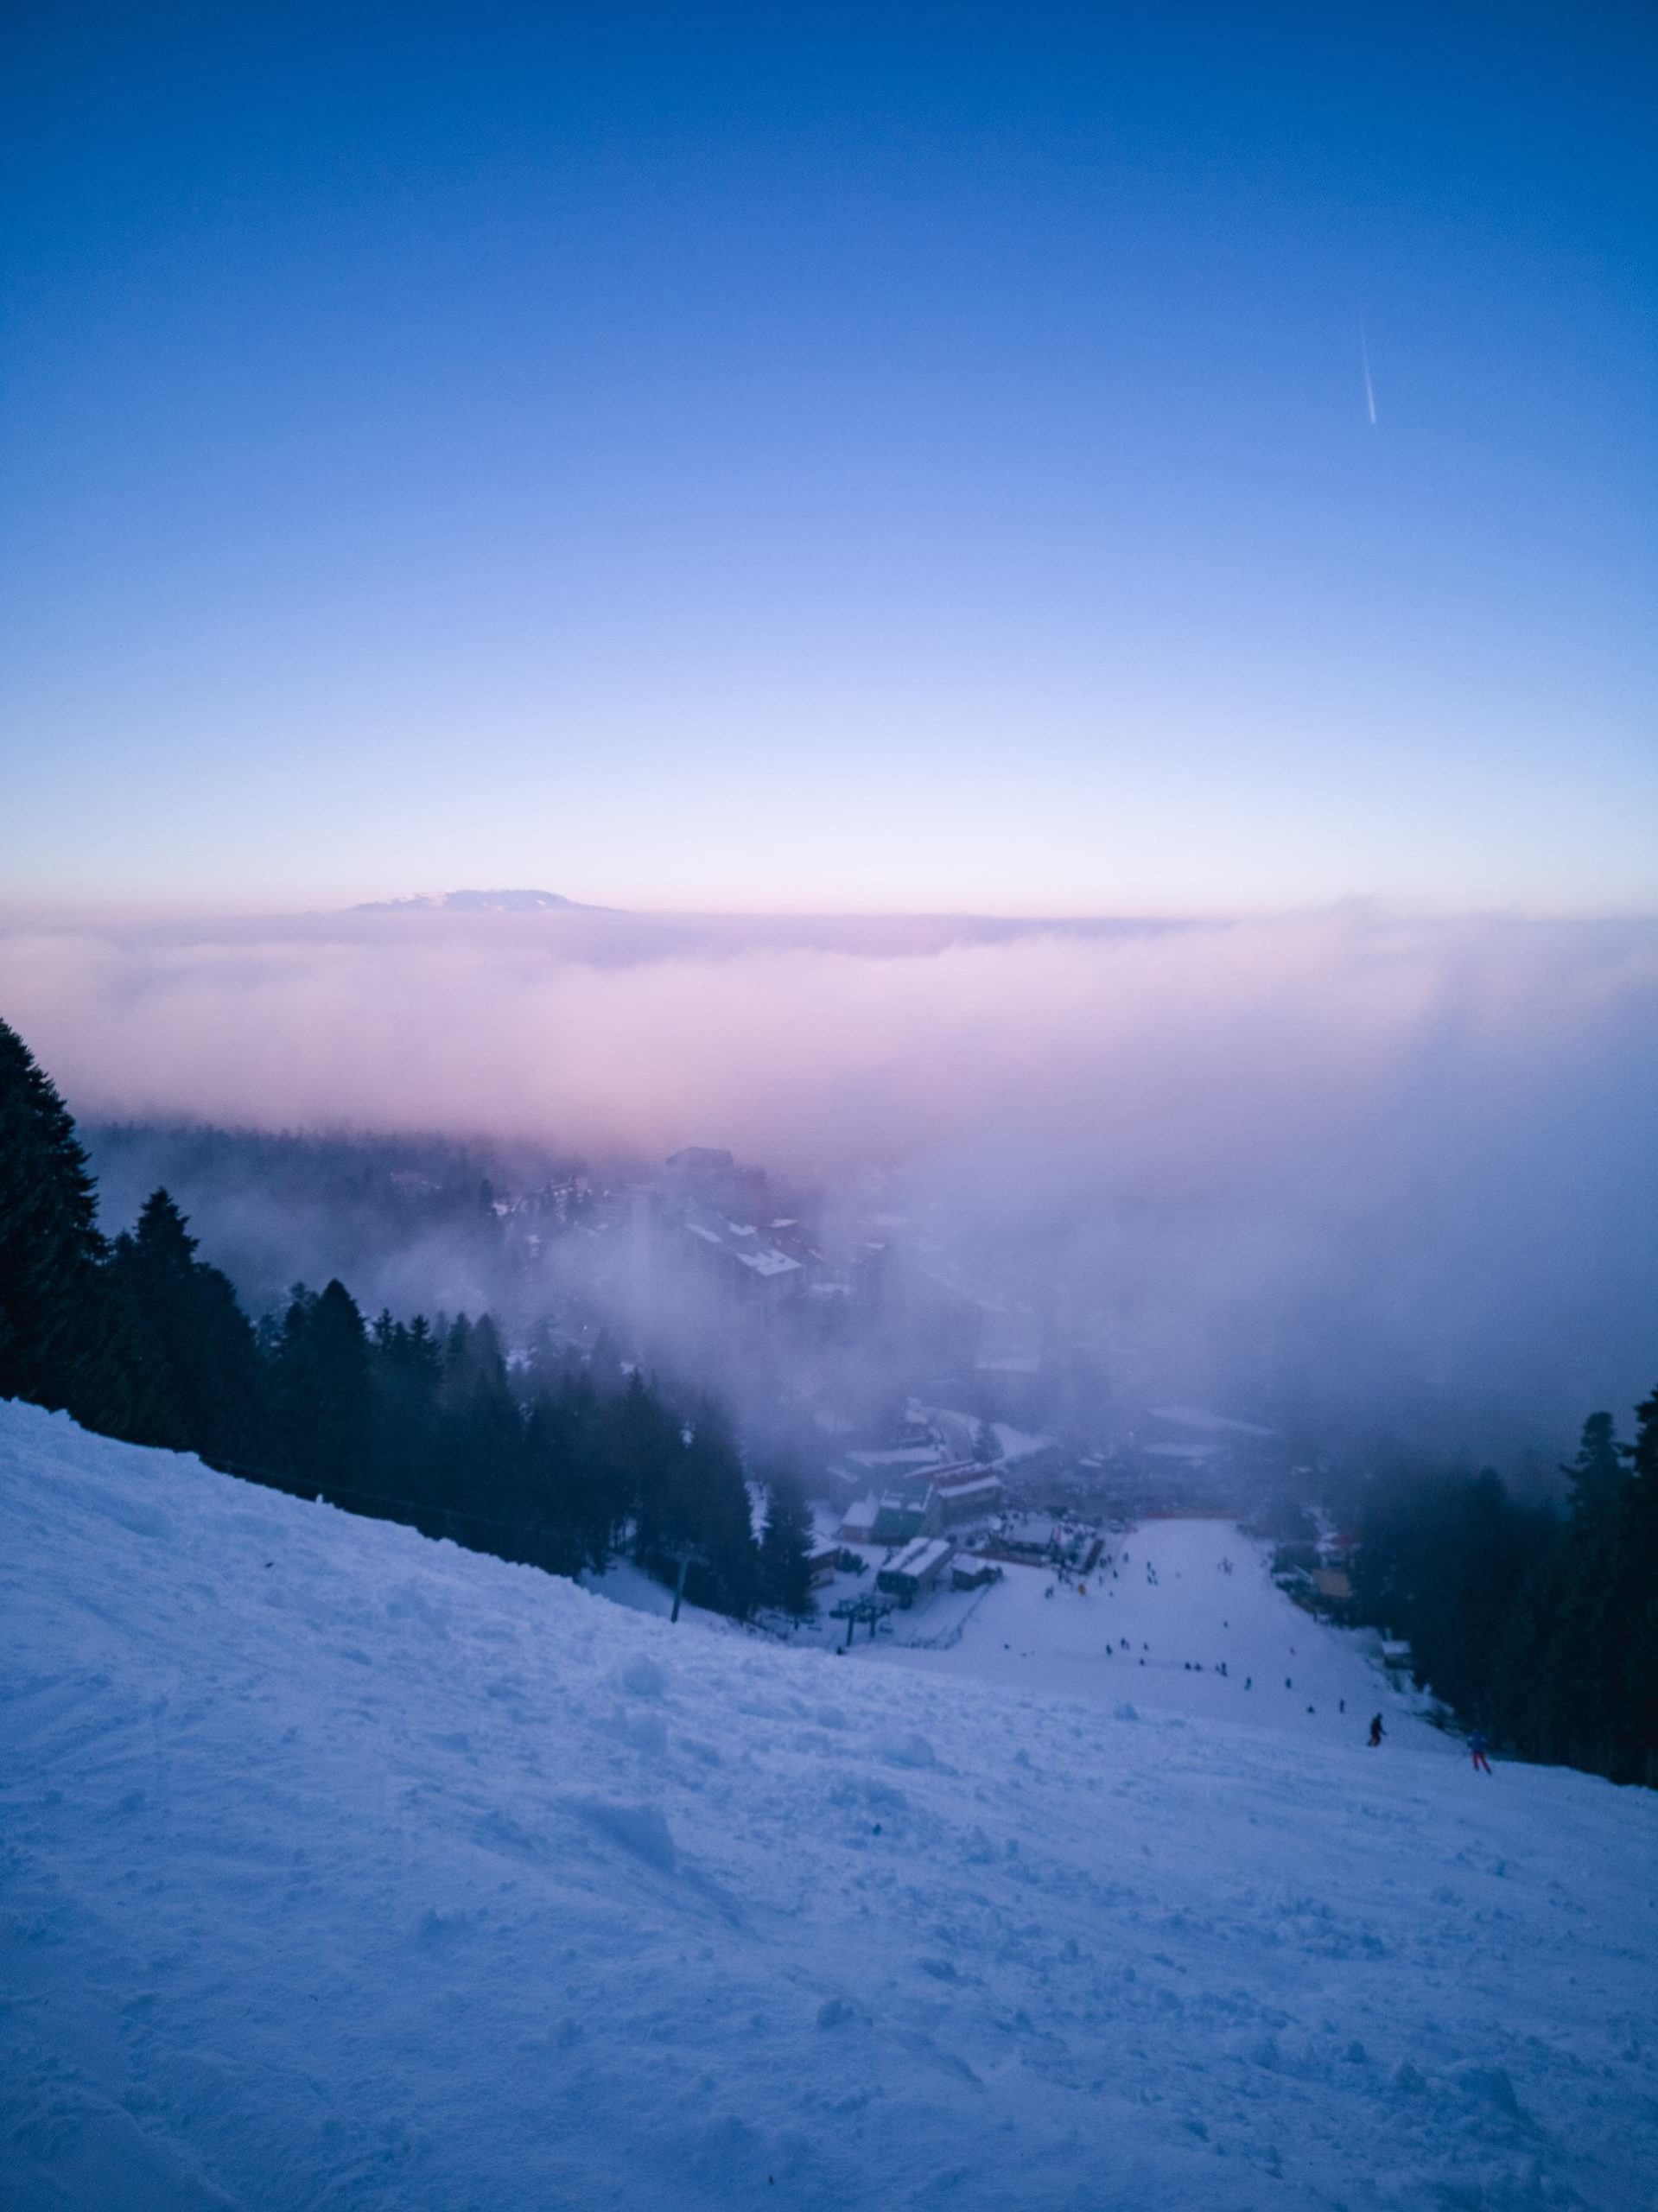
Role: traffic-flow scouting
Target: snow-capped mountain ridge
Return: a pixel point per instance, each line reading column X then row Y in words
column 476, row 902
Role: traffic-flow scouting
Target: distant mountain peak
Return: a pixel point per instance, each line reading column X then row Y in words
column 468, row 902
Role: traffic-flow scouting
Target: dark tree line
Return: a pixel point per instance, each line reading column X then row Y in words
column 560, row 1464
column 1540, row 1627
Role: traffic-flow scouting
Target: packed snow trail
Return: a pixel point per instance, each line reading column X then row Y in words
column 1180, row 1599
column 341, row 1869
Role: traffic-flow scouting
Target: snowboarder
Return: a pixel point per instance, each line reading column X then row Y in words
column 1476, row 1752
column 1378, row 1732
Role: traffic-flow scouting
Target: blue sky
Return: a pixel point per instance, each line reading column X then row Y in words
column 877, row 458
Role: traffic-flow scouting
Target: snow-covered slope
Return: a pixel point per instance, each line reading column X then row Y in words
column 341, row 1869
column 1185, row 1617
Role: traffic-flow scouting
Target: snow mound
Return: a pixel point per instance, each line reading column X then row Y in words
column 340, row 1868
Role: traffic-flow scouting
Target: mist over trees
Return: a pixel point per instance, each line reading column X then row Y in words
column 556, row 1462
column 406, row 1221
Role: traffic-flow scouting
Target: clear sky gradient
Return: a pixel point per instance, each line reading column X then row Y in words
column 867, row 458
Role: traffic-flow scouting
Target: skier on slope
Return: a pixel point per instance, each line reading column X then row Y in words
column 1378, row 1732
column 1477, row 1752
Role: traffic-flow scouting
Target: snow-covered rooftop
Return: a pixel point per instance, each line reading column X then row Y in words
column 920, row 1556
column 767, row 1261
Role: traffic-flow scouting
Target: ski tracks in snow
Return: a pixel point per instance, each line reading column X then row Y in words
column 340, row 1869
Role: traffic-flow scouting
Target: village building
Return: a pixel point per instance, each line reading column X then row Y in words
column 858, row 1523
column 966, row 1492
column 967, row 1572
column 917, row 1568
column 900, row 1517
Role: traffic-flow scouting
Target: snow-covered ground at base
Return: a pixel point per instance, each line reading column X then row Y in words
column 1173, row 1603
column 1177, row 1600
column 342, row 1869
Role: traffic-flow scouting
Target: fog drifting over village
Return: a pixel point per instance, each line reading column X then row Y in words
column 1345, row 1156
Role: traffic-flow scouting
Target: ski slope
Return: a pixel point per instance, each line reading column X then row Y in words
column 1179, row 1600
column 339, row 1869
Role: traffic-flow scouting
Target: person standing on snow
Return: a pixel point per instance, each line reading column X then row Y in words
column 1477, row 1752
column 1378, row 1732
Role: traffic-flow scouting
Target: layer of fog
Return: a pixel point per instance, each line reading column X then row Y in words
column 1359, row 1158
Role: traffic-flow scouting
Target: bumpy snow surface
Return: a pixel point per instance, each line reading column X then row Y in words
column 341, row 1869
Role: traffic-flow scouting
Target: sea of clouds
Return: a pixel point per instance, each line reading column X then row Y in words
column 1418, row 1146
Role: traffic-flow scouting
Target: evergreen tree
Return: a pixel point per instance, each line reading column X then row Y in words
column 458, row 1370
column 605, row 1365
column 344, row 1407
column 561, row 1499
column 1525, row 1709
column 485, row 1431
column 323, row 1397
column 552, row 1362
column 405, row 1368
column 1570, row 1623
column 1596, row 1474
column 57, row 1345
column 1641, row 1582
column 785, row 1568
column 643, row 1454
column 287, row 1350
column 708, row 1504
column 196, row 1376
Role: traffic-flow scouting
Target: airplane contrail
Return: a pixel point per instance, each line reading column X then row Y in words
column 1370, row 389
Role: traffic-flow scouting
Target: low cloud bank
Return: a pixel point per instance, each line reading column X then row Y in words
column 1412, row 1149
